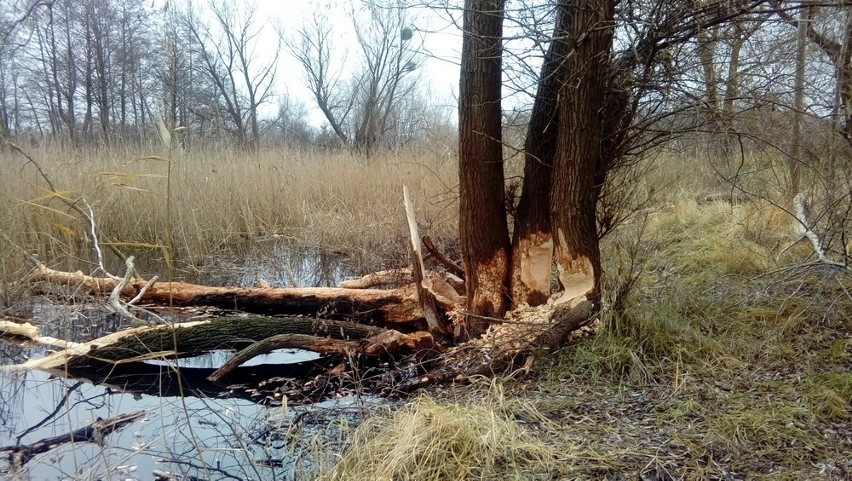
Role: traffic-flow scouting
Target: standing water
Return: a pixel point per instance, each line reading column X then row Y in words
column 187, row 428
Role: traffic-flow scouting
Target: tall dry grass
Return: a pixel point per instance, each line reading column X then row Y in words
column 217, row 200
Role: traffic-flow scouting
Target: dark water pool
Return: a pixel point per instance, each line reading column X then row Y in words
column 196, row 434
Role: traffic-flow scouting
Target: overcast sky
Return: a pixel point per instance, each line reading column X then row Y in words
column 441, row 46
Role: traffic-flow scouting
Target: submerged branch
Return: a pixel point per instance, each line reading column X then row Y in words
column 95, row 432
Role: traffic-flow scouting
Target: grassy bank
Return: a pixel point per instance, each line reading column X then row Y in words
column 725, row 364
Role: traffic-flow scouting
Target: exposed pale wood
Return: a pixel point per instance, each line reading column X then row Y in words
column 531, row 268
column 464, row 362
column 439, row 256
column 95, row 432
column 370, row 305
column 442, row 288
column 28, row 331
column 435, row 318
column 391, row 342
column 380, row 278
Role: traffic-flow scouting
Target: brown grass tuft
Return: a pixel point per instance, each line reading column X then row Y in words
column 430, row 441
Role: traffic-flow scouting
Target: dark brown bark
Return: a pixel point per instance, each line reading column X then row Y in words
column 483, row 228
column 439, row 256
column 322, row 345
column 707, row 56
column 577, row 166
column 532, row 243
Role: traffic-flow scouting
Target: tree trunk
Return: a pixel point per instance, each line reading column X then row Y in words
column 483, row 228
column 798, row 101
column 578, row 157
column 707, row 57
column 532, row 243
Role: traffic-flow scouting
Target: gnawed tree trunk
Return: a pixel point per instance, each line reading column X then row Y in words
column 483, row 228
column 396, row 307
column 532, row 242
column 578, row 157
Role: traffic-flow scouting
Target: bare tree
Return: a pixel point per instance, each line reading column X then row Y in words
column 483, row 229
column 230, row 60
column 313, row 49
column 390, row 53
column 363, row 105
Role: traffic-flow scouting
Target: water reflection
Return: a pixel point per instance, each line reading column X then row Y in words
column 192, row 426
column 204, row 437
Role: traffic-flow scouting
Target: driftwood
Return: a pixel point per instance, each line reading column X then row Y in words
column 387, row 307
column 95, row 432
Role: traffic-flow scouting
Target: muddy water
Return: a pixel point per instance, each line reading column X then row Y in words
column 205, row 434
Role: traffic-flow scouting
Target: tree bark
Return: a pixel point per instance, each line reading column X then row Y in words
column 532, row 242
column 483, row 228
column 396, row 307
column 578, row 157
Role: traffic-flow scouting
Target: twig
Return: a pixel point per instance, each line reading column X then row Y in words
column 115, row 295
column 52, row 414
column 201, row 468
column 142, row 291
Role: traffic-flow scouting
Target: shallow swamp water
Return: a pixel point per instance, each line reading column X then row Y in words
column 188, row 429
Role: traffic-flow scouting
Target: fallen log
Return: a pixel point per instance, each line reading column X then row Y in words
column 729, row 197
column 19, row 455
column 188, row 339
column 394, row 307
column 25, row 330
column 282, row 341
